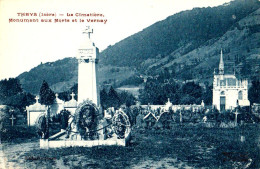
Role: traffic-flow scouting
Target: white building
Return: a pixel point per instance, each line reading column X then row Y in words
column 228, row 91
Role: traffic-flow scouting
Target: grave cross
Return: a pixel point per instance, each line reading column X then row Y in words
column 12, row 118
column 88, row 30
column 72, row 96
column 180, row 117
column 37, row 99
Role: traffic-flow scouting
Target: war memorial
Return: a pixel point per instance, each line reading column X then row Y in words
column 85, row 124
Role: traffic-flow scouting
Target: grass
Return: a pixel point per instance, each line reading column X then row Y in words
column 18, row 134
column 184, row 145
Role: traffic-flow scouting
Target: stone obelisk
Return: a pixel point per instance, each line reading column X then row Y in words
column 87, row 69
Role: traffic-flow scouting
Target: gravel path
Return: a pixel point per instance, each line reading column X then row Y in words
column 11, row 153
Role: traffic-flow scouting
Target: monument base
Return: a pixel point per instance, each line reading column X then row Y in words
column 104, row 132
column 57, row 141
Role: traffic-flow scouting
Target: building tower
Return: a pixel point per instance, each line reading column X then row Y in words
column 87, row 69
column 221, row 64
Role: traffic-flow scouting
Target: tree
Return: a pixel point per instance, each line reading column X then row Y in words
column 126, row 98
column 11, row 94
column 10, row 87
column 246, row 69
column 20, row 100
column 164, row 74
column 148, row 94
column 47, row 96
column 104, row 99
column 113, row 99
column 193, row 91
column 254, row 92
column 66, row 95
column 3, row 117
column 207, row 95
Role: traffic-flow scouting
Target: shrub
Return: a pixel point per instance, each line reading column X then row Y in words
column 18, row 132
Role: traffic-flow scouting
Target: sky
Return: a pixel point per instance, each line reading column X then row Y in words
column 26, row 45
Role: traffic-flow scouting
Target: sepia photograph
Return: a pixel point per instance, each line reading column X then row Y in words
column 145, row 84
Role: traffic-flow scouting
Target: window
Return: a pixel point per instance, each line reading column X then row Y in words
column 240, row 95
column 231, row 82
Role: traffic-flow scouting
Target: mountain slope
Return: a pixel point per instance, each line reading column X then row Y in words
column 63, row 74
column 241, row 46
column 55, row 73
column 187, row 43
column 189, row 28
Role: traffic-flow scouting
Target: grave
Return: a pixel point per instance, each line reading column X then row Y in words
column 57, row 106
column 86, row 123
column 35, row 111
column 150, row 119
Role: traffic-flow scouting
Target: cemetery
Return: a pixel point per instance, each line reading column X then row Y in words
column 82, row 121
column 81, row 133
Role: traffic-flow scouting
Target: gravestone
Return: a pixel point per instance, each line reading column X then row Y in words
column 35, row 111
column 71, row 105
column 56, row 107
column 150, row 119
column 164, row 120
column 12, row 118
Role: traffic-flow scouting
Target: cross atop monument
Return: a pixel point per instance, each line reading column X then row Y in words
column 72, row 96
column 37, row 99
column 56, row 95
column 12, row 118
column 88, row 30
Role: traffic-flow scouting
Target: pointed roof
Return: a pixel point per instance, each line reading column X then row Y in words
column 150, row 114
column 221, row 64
